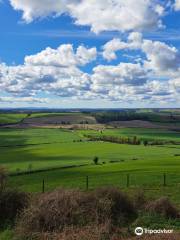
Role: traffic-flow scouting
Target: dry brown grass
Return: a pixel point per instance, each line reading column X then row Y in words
column 139, row 199
column 102, row 214
column 61, row 209
column 163, row 207
column 122, row 209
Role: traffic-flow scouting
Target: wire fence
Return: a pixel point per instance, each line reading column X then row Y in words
column 123, row 180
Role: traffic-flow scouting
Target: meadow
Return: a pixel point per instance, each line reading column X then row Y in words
column 10, row 118
column 50, row 150
column 43, row 148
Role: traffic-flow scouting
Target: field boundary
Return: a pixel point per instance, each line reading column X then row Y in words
column 45, row 170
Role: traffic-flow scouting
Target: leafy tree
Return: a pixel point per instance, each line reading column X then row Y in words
column 145, row 142
column 95, row 160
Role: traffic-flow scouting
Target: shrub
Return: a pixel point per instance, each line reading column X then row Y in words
column 121, row 209
column 92, row 232
column 163, row 207
column 61, row 209
column 139, row 199
column 53, row 211
column 11, row 203
column 7, row 235
column 95, row 160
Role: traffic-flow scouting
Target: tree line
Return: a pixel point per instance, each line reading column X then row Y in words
column 130, row 140
column 109, row 116
column 121, row 140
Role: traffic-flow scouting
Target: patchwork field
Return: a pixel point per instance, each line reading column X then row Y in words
column 46, row 151
column 49, row 150
column 43, row 148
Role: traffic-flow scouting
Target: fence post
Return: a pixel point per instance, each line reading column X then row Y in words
column 43, row 186
column 128, row 178
column 87, row 182
column 164, row 179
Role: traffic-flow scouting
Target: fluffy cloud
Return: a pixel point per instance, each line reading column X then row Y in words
column 63, row 56
column 177, row 5
column 57, row 72
column 124, row 73
column 118, row 83
column 110, row 48
column 175, row 84
column 29, row 80
column 159, row 57
column 33, row 9
column 23, row 99
column 51, row 70
column 127, row 15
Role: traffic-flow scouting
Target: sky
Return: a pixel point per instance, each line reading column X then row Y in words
column 90, row 53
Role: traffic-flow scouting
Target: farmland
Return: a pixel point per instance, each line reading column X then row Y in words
column 10, row 118
column 64, row 157
column 44, row 151
column 43, row 148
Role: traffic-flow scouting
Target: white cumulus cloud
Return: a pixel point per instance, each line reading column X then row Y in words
column 159, row 57
column 64, row 55
column 101, row 15
column 177, row 5
column 57, row 72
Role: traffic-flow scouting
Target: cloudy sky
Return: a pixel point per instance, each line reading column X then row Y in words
column 90, row 53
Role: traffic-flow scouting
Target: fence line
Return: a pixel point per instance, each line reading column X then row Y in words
column 87, row 182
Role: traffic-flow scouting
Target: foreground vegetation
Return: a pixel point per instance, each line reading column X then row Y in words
column 101, row 214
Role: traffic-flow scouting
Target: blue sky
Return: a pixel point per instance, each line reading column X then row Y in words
column 87, row 53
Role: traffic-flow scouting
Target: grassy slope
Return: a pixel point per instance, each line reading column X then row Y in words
column 34, row 115
column 40, row 147
column 11, row 117
column 54, row 147
column 146, row 171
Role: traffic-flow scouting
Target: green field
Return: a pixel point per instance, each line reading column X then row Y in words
column 43, row 159
column 11, row 118
column 24, row 150
column 46, row 114
column 142, row 133
column 43, row 148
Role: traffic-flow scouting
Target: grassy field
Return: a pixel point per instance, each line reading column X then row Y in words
column 142, row 133
column 141, row 175
column 34, row 149
column 12, row 118
column 64, row 158
column 44, row 148
column 46, row 114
